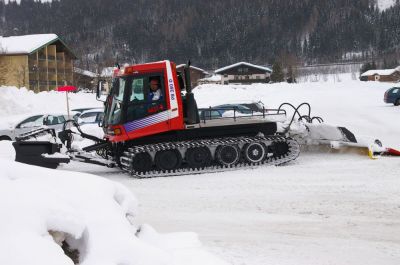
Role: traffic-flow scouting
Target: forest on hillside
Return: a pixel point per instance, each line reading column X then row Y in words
column 212, row 33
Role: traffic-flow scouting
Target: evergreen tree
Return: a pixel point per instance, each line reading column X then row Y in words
column 291, row 78
column 277, row 73
column 367, row 66
column 255, row 31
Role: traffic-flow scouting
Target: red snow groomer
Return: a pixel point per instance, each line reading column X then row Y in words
column 153, row 127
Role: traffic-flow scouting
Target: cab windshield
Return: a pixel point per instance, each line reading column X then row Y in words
column 113, row 107
column 134, row 97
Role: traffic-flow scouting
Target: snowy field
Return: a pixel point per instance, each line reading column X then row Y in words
column 334, row 209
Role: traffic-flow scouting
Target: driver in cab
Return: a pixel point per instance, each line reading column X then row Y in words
column 155, row 94
column 155, row 91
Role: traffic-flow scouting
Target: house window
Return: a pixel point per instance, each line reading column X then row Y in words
column 225, row 75
column 236, row 77
column 247, row 77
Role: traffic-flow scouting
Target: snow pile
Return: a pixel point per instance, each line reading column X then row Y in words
column 18, row 104
column 59, row 217
column 21, row 101
column 92, row 129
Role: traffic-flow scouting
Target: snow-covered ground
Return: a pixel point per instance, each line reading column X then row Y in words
column 320, row 209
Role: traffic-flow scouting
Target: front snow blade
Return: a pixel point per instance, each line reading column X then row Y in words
column 39, row 153
column 335, row 148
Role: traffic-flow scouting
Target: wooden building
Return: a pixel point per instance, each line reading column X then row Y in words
column 244, row 73
column 84, row 79
column 385, row 75
column 195, row 74
column 40, row 62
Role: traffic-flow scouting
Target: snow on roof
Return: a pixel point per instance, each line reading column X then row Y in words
column 381, row 72
column 213, row 78
column 107, row 71
column 84, row 72
column 25, row 44
column 193, row 67
column 242, row 63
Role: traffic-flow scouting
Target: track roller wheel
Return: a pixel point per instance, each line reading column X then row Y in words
column 142, row 162
column 254, row 152
column 227, row 155
column 279, row 149
column 198, row 157
column 168, row 159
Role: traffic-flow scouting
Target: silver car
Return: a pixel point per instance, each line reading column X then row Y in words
column 55, row 121
column 92, row 116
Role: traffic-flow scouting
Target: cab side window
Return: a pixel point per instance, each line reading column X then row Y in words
column 146, row 97
column 137, row 90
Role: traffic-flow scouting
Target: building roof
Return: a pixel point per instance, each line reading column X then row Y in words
column 381, row 72
column 27, row 44
column 220, row 70
column 84, row 72
column 107, row 71
column 193, row 67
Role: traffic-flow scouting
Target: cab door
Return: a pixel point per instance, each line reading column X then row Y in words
column 144, row 115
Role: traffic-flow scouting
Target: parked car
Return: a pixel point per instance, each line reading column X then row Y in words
column 82, row 109
column 91, row 116
column 233, row 107
column 254, row 106
column 227, row 110
column 392, row 95
column 77, row 112
column 55, row 121
column 209, row 114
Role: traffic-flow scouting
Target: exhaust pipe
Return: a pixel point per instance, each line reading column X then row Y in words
column 192, row 113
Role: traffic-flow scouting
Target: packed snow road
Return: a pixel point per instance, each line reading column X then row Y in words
column 321, row 209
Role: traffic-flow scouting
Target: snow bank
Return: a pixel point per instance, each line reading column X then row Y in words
column 45, row 209
column 21, row 101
